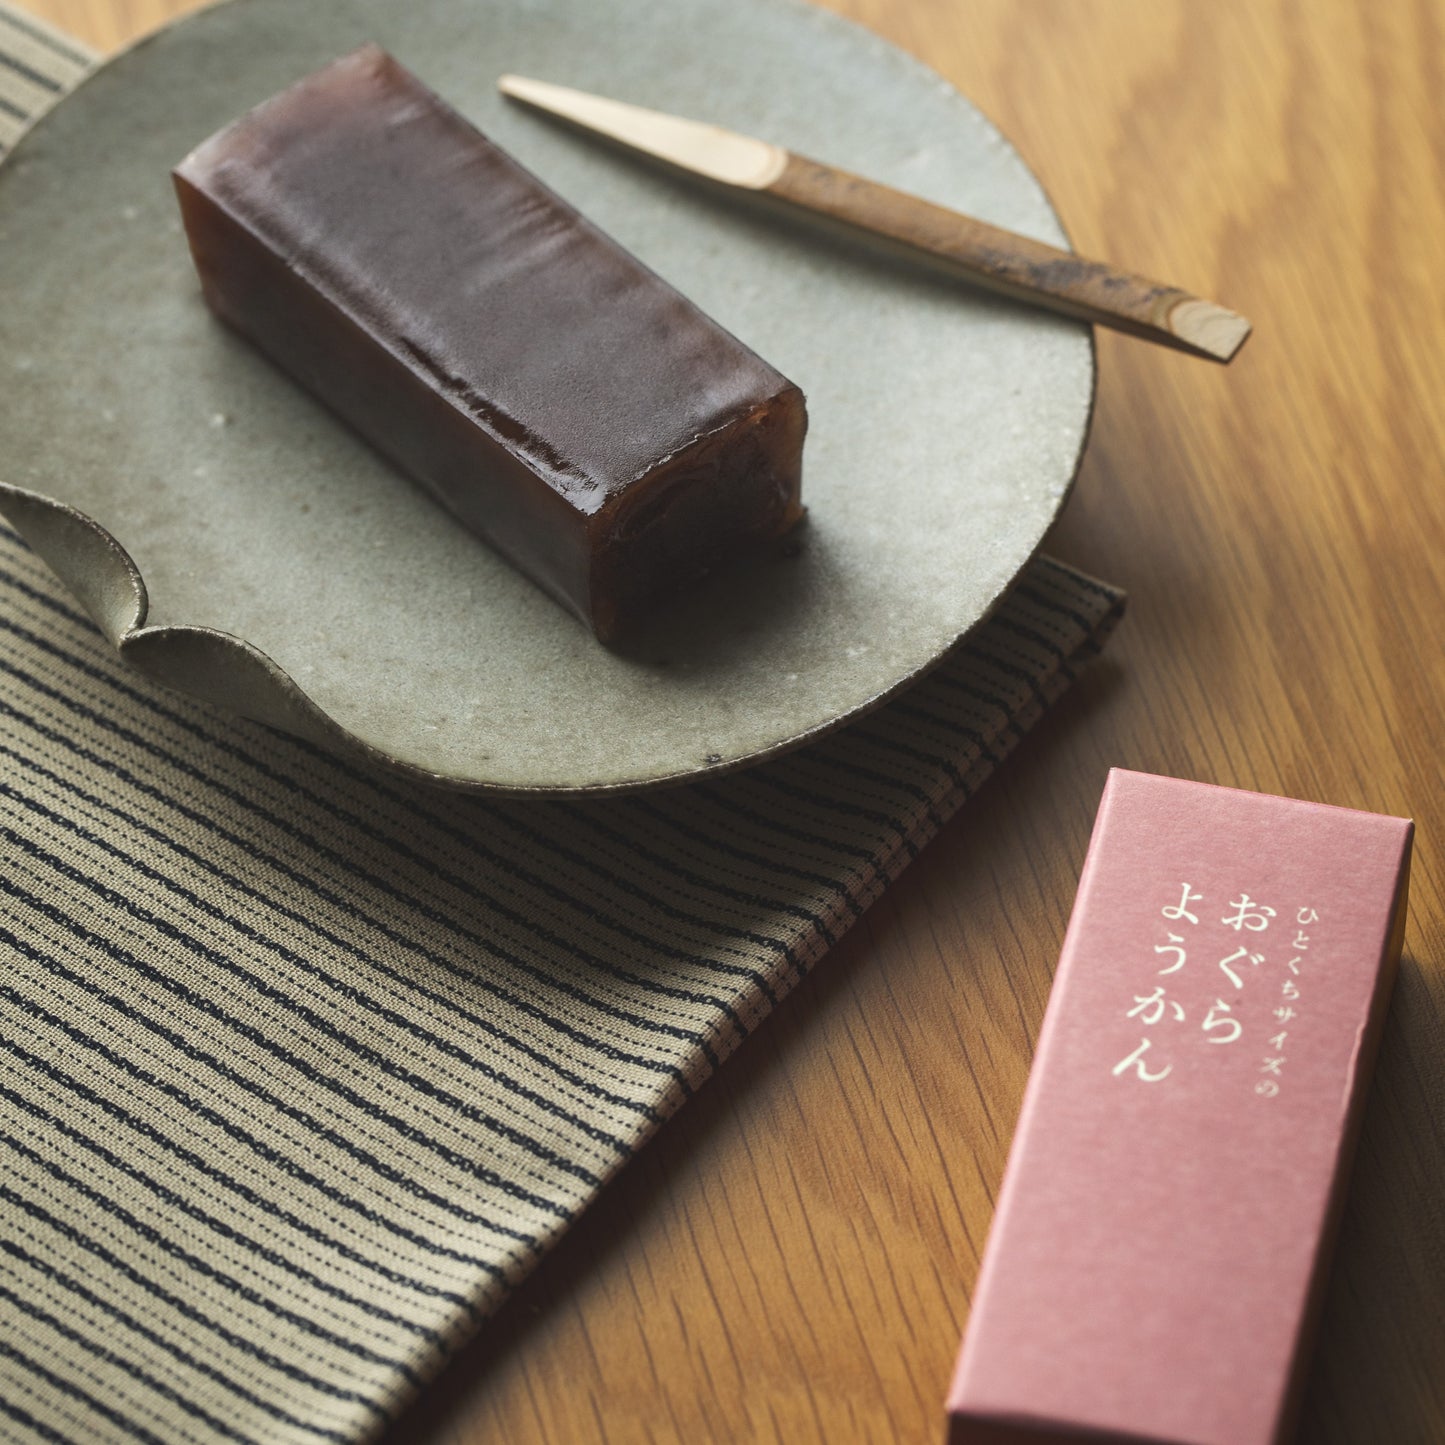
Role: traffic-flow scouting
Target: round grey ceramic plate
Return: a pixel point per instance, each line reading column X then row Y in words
column 234, row 540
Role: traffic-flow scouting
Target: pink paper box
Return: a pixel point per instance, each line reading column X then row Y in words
column 1160, row 1243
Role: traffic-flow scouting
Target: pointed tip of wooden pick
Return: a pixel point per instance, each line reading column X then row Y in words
column 541, row 93
column 1209, row 329
column 513, row 85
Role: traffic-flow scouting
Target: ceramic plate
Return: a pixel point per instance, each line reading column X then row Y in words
column 234, row 540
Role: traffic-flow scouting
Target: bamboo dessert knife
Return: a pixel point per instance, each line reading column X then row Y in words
column 999, row 260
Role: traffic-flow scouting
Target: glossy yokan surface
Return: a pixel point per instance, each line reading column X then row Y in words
column 557, row 395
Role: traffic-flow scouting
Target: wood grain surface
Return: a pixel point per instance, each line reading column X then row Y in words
column 792, row 1258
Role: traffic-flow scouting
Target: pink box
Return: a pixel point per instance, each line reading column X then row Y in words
column 1159, row 1248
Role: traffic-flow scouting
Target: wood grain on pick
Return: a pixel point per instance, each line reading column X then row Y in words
column 1001, row 261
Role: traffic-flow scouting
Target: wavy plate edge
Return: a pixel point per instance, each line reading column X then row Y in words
column 226, row 671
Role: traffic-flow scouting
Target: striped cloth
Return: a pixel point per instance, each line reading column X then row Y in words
column 37, row 66
column 305, row 1064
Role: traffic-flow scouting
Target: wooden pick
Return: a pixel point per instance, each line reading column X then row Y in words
column 986, row 255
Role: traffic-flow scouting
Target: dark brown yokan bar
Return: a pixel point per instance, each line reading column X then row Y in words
column 563, row 401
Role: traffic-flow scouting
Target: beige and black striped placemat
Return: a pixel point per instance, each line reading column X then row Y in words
column 37, row 66
column 305, row 1065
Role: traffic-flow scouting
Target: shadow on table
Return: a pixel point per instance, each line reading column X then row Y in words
column 1390, row 1263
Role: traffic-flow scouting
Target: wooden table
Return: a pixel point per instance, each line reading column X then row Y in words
column 792, row 1258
